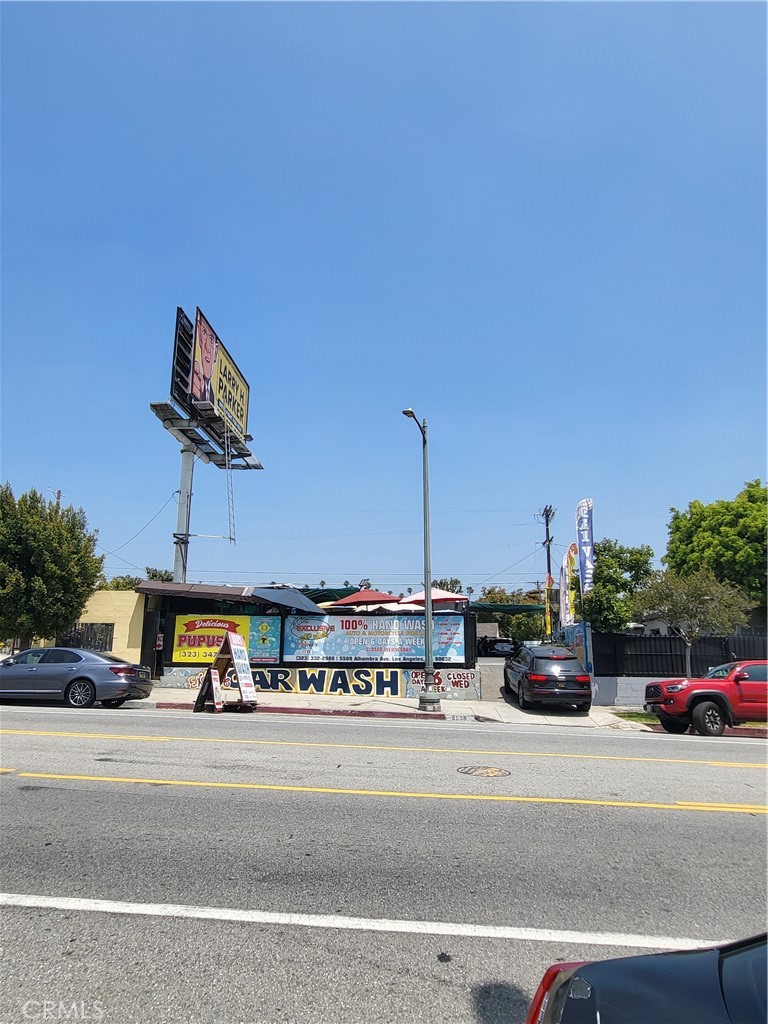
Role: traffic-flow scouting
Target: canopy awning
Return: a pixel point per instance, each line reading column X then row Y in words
column 438, row 597
column 363, row 597
column 507, row 609
column 283, row 597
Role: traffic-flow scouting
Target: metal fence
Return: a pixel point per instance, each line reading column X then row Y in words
column 89, row 636
column 623, row 654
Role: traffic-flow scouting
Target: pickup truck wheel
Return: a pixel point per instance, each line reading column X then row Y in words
column 708, row 719
column 675, row 725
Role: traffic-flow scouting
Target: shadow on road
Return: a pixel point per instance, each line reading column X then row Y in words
column 550, row 710
column 499, row 1003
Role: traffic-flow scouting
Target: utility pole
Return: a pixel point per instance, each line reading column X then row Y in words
column 547, row 515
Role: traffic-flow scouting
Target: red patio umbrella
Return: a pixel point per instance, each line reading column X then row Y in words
column 365, row 597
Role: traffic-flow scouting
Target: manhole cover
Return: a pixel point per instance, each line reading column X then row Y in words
column 484, row 771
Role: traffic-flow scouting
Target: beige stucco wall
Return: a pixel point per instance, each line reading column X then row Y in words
column 126, row 609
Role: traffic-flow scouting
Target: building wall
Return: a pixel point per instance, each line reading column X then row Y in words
column 125, row 609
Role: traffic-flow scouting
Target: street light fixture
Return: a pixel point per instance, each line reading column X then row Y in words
column 428, row 699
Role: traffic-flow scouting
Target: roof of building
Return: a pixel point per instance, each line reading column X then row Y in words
column 284, row 597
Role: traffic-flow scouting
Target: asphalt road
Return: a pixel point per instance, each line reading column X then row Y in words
column 334, row 841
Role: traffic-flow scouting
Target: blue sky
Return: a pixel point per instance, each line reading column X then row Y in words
column 540, row 225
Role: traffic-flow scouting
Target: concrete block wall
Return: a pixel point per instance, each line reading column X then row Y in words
column 621, row 691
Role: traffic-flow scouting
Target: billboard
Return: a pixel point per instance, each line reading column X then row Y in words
column 371, row 638
column 197, row 638
column 215, row 378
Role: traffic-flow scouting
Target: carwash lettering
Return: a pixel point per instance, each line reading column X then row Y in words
column 338, row 682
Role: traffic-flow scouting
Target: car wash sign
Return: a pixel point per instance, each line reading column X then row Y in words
column 371, row 638
column 586, row 545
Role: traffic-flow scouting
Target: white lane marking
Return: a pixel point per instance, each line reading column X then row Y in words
column 368, row 924
column 573, row 732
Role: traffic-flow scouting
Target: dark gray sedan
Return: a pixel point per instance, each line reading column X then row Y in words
column 78, row 677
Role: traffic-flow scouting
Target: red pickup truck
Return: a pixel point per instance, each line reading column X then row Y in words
column 726, row 695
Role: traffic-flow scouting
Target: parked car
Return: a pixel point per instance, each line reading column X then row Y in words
column 726, row 695
column 79, row 677
column 496, row 647
column 547, row 674
column 720, row 985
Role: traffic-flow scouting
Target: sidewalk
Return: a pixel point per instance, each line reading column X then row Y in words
column 165, row 698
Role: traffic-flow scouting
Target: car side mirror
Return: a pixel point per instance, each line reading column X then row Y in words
column 741, row 676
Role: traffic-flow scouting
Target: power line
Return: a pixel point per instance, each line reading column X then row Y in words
column 154, row 517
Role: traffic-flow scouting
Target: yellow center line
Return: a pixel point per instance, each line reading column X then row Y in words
column 374, row 746
column 477, row 797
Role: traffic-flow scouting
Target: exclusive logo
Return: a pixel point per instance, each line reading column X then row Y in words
column 310, row 630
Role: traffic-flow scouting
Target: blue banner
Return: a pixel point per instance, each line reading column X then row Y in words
column 586, row 545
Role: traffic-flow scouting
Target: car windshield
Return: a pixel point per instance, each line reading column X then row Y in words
column 721, row 671
column 557, row 663
column 108, row 657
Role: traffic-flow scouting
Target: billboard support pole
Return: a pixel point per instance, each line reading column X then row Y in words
column 181, row 537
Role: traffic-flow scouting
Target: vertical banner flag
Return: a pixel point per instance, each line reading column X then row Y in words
column 586, row 545
column 547, row 609
column 566, row 587
column 573, row 558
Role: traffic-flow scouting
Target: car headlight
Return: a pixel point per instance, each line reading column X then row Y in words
column 676, row 687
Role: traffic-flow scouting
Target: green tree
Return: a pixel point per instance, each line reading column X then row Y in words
column 131, row 582
column 448, row 583
column 160, row 575
column 619, row 571
column 692, row 605
column 728, row 537
column 48, row 565
column 120, row 583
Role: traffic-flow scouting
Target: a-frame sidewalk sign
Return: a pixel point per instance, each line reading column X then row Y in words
column 233, row 655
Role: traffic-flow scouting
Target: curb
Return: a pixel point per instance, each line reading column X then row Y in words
column 730, row 733
column 347, row 712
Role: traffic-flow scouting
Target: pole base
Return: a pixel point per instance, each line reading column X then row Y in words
column 427, row 704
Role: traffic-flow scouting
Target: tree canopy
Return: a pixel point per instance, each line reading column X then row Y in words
column 728, row 537
column 448, row 583
column 131, row 582
column 619, row 571
column 692, row 605
column 48, row 565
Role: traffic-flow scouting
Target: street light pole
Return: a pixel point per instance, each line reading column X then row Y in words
column 428, row 699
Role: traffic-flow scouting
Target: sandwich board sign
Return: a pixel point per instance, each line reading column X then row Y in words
column 232, row 655
column 218, row 700
column 241, row 665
